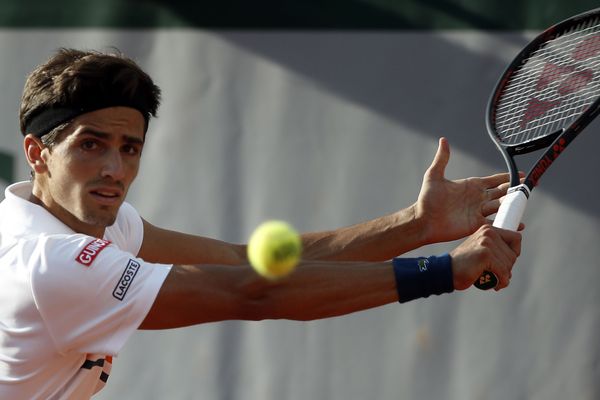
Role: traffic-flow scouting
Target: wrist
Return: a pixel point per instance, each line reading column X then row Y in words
column 422, row 277
column 417, row 225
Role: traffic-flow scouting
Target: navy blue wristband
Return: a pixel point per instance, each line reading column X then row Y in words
column 422, row 277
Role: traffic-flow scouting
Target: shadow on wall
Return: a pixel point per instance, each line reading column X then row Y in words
column 427, row 82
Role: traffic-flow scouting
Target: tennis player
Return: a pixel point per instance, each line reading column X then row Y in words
column 80, row 270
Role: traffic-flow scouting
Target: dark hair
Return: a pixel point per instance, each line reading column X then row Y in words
column 73, row 82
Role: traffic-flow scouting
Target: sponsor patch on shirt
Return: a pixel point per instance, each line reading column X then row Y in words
column 126, row 279
column 91, row 251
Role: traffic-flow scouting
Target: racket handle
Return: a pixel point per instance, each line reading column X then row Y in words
column 508, row 217
column 512, row 208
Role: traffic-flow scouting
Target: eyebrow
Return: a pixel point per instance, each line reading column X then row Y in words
column 103, row 135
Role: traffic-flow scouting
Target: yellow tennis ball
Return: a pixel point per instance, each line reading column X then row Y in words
column 274, row 249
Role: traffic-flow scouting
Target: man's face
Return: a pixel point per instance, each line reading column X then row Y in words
column 90, row 168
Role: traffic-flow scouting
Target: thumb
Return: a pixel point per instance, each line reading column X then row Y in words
column 438, row 166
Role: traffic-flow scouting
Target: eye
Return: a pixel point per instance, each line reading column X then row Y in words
column 131, row 150
column 89, row 145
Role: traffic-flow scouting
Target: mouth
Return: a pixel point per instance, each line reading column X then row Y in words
column 107, row 196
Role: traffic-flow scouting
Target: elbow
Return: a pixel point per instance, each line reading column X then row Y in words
column 261, row 300
column 257, row 305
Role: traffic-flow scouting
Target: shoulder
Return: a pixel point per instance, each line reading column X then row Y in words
column 63, row 249
column 128, row 230
column 126, row 216
column 73, row 265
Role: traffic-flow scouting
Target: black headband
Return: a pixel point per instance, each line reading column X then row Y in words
column 43, row 121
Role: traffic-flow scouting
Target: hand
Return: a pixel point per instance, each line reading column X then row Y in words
column 489, row 248
column 451, row 210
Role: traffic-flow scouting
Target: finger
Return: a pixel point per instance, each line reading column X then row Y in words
column 502, row 255
column 509, row 254
column 498, row 266
column 511, row 238
column 440, row 161
column 502, row 284
column 506, row 260
column 499, row 191
column 495, row 197
column 496, row 192
column 497, row 255
column 504, row 187
column 490, row 207
column 502, row 178
column 501, row 199
column 495, row 180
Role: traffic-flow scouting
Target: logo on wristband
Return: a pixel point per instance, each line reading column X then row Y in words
column 423, row 264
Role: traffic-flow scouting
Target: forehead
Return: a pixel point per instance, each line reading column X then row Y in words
column 113, row 120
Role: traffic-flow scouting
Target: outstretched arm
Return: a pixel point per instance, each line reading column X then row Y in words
column 195, row 294
column 444, row 211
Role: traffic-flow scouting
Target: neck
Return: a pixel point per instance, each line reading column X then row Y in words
column 64, row 216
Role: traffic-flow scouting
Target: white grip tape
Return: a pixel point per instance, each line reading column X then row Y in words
column 511, row 210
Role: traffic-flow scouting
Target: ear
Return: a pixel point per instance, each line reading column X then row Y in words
column 33, row 148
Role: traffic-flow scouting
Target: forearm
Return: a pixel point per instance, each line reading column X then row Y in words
column 209, row 293
column 375, row 240
column 320, row 290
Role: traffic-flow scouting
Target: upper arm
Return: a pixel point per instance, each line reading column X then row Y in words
column 194, row 294
column 170, row 247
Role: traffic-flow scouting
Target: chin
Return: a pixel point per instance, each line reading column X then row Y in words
column 100, row 221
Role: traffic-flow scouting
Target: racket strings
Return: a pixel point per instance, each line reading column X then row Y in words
column 554, row 53
column 552, row 87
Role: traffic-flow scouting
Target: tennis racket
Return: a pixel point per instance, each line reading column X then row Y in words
column 544, row 99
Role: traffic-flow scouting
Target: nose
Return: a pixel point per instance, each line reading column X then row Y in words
column 113, row 166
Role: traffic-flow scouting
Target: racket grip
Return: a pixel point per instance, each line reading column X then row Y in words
column 508, row 217
column 512, row 208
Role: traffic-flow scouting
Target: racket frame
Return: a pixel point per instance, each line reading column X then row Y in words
column 554, row 143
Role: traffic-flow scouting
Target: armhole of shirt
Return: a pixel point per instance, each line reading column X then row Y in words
column 128, row 231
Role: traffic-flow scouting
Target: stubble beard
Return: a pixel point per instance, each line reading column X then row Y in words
column 99, row 219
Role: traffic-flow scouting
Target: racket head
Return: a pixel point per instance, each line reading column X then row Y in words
column 549, row 92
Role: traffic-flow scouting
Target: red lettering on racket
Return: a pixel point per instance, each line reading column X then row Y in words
column 545, row 162
column 540, row 168
column 559, row 147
